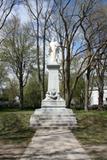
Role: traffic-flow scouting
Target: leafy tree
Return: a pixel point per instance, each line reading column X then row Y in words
column 32, row 92
column 79, row 92
column 18, row 51
column 3, row 74
column 10, row 91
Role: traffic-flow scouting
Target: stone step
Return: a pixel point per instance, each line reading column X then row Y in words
column 55, row 120
column 53, row 125
column 52, row 117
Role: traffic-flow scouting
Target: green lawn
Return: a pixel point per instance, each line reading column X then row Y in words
column 92, row 132
column 14, row 127
column 92, row 127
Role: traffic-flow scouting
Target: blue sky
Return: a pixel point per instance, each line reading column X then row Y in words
column 104, row 1
column 23, row 14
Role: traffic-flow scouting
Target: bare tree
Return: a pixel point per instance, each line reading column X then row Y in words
column 101, row 60
column 45, row 25
column 35, row 9
column 41, row 14
column 72, row 20
column 92, row 26
column 90, row 30
column 6, row 7
column 70, row 27
column 101, row 68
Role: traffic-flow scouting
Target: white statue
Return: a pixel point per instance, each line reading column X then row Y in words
column 53, row 46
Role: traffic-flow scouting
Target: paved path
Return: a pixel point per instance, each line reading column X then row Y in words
column 55, row 144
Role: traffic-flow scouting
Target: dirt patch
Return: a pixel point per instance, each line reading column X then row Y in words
column 14, row 152
column 11, row 151
column 97, row 152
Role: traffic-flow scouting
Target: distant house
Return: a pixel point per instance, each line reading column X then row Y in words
column 94, row 96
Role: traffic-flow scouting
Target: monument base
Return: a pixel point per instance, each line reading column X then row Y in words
column 53, row 113
column 53, row 117
column 47, row 102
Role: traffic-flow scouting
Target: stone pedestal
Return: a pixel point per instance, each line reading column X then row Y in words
column 53, row 77
column 53, row 98
column 53, row 112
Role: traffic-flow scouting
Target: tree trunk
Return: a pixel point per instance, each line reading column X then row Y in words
column 72, row 92
column 21, row 95
column 44, row 64
column 87, row 82
column 67, row 73
column 86, row 96
column 63, row 71
column 38, row 59
column 38, row 54
column 21, row 86
column 101, row 94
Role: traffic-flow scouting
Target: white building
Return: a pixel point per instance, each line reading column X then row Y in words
column 94, row 96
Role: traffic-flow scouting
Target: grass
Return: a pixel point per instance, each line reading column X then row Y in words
column 92, row 133
column 14, row 127
column 91, row 130
column 92, row 127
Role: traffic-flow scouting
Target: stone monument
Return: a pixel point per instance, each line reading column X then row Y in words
column 53, row 98
column 53, row 112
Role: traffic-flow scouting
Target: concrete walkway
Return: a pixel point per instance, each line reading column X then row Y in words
column 54, row 144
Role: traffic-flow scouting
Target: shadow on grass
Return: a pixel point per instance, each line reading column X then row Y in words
column 92, row 127
column 14, row 127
